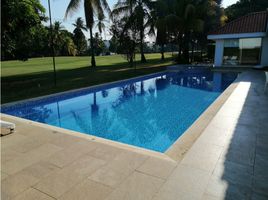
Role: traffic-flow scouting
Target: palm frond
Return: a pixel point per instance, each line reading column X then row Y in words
column 89, row 13
column 72, row 7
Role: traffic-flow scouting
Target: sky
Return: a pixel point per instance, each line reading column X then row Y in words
column 58, row 8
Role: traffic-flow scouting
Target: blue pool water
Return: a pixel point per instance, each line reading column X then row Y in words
column 150, row 112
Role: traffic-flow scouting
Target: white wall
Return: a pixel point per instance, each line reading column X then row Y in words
column 264, row 53
column 218, row 58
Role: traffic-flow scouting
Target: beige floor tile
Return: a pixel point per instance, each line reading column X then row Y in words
column 41, row 169
column 29, row 158
column 62, row 180
column 83, row 167
column 211, row 197
column 70, row 154
column 105, row 152
column 157, row 167
column 137, row 187
column 217, row 187
column 26, row 145
column 17, row 183
column 127, row 162
column 32, row 194
column 108, row 176
column 87, row 190
column 66, row 141
column 215, row 136
column 184, row 183
column 3, row 176
column 55, row 185
column 8, row 154
column 203, row 156
column 12, row 139
column 222, row 122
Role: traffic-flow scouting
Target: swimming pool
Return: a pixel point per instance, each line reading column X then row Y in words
column 150, row 112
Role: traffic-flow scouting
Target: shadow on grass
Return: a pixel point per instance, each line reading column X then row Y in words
column 35, row 84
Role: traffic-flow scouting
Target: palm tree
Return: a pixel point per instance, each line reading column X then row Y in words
column 136, row 12
column 101, row 24
column 189, row 21
column 79, row 37
column 58, row 36
column 91, row 7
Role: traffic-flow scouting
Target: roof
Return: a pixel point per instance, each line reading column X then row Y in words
column 251, row 23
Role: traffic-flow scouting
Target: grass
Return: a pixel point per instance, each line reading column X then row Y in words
column 33, row 78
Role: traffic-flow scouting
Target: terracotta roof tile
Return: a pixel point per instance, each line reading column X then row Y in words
column 251, row 23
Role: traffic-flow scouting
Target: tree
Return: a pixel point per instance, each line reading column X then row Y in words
column 62, row 40
column 79, row 38
column 137, row 13
column 101, row 24
column 243, row 7
column 91, row 7
column 20, row 22
column 126, row 37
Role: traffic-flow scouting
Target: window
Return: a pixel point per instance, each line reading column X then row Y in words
column 242, row 51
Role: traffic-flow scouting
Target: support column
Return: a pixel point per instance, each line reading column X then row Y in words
column 264, row 52
column 218, row 58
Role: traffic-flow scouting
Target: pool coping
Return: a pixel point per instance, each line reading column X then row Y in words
column 175, row 152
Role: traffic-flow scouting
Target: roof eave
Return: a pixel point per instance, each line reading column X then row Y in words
column 237, row 35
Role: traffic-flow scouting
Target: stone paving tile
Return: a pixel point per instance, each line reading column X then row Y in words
column 12, row 140
column 105, row 152
column 109, row 176
column 184, row 183
column 32, row 194
column 211, row 197
column 17, row 183
column 66, row 141
column 127, row 162
column 256, row 196
column 215, row 136
column 137, row 186
column 31, row 157
column 70, row 154
column 244, row 156
column 87, row 190
column 26, row 145
column 235, row 192
column 203, row 156
column 3, row 176
column 157, row 167
column 63, row 180
column 9, row 154
column 40, row 169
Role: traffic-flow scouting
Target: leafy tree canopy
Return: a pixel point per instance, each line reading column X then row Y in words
column 20, row 22
column 243, row 7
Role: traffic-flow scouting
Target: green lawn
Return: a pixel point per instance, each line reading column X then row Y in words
column 22, row 80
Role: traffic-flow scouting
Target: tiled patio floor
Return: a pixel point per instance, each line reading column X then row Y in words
column 228, row 161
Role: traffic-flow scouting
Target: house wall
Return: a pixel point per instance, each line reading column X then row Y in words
column 264, row 54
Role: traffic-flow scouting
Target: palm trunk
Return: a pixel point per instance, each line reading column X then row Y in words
column 192, row 55
column 143, row 59
column 162, row 52
column 93, row 62
column 186, row 48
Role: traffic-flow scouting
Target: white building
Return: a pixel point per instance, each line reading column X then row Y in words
column 242, row 42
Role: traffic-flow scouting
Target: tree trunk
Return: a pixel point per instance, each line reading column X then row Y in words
column 93, row 62
column 143, row 59
column 186, row 48
column 162, row 52
column 192, row 53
